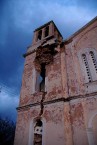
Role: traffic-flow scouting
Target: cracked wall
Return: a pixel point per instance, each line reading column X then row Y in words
column 68, row 107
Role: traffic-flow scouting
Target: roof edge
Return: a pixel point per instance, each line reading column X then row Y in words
column 43, row 25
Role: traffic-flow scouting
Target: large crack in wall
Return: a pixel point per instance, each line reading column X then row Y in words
column 41, row 104
column 44, row 56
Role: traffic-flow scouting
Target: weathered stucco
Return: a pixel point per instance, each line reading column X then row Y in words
column 68, row 106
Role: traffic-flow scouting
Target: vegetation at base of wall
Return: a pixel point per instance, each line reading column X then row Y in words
column 7, row 132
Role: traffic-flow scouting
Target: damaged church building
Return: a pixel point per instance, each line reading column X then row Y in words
column 58, row 98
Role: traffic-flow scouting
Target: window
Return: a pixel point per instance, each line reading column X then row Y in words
column 46, row 31
column 39, row 35
column 38, row 129
column 40, row 81
column 89, row 64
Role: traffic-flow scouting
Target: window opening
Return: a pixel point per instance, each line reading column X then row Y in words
column 40, row 81
column 42, row 74
column 38, row 128
column 93, row 60
column 39, row 35
column 46, row 31
column 87, row 67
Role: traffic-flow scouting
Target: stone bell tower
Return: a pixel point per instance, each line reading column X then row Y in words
column 41, row 109
column 58, row 99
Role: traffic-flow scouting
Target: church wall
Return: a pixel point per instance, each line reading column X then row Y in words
column 90, row 114
column 53, row 124
column 83, row 119
column 54, row 117
column 54, row 81
column 25, row 125
column 21, row 134
column 83, row 92
column 68, row 108
column 78, row 123
column 86, row 39
column 28, row 81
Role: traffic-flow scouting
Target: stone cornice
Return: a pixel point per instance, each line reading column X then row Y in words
column 28, row 53
column 44, row 44
column 26, row 107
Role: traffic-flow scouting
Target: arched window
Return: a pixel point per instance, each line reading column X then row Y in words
column 92, row 129
column 38, row 129
column 88, row 60
column 40, row 80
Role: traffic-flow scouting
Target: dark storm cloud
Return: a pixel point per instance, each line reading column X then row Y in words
column 13, row 43
column 11, row 58
column 8, row 105
column 14, row 38
column 18, row 19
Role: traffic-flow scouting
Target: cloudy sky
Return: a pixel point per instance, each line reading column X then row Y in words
column 18, row 19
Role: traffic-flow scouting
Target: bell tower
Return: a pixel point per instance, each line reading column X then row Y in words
column 58, row 98
column 41, row 109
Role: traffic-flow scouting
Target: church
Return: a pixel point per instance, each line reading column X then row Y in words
column 58, row 98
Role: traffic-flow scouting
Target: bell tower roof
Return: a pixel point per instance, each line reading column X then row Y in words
column 47, row 32
column 46, row 24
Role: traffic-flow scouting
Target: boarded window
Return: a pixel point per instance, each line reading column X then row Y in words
column 38, row 129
